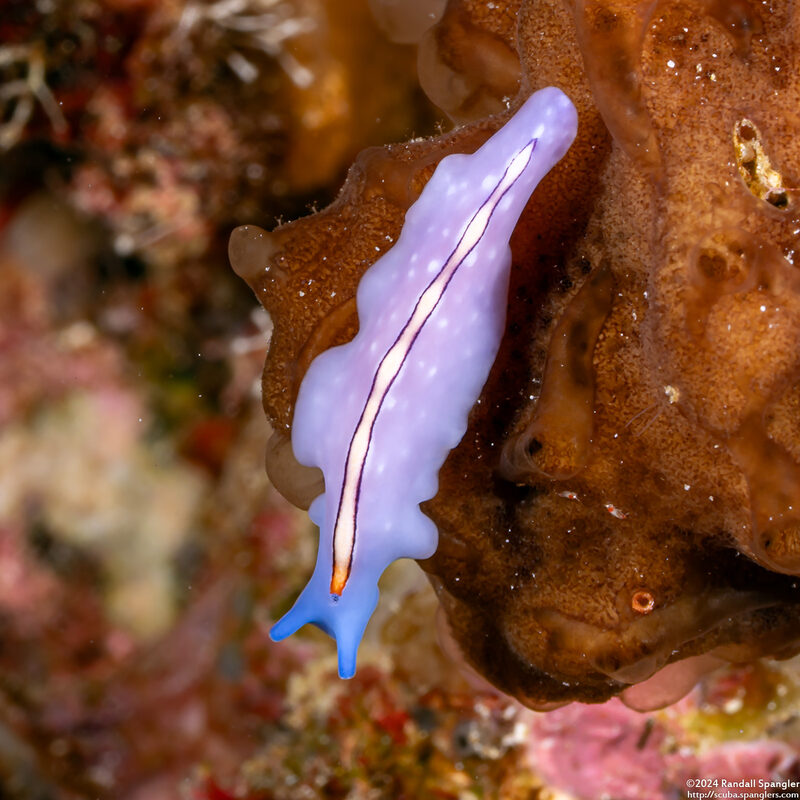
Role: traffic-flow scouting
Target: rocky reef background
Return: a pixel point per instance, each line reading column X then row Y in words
column 143, row 552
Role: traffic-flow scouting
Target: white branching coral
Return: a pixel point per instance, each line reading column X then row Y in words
column 263, row 25
column 22, row 84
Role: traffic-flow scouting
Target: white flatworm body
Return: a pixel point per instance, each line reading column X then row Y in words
column 380, row 414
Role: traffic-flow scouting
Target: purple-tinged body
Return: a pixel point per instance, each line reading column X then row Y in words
column 380, row 414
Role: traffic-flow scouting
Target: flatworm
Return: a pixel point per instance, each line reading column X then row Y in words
column 379, row 414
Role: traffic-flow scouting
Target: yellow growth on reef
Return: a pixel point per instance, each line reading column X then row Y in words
column 759, row 176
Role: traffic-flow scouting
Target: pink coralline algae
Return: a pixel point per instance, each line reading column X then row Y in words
column 612, row 751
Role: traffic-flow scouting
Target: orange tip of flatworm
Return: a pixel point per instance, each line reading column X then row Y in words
column 338, row 581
